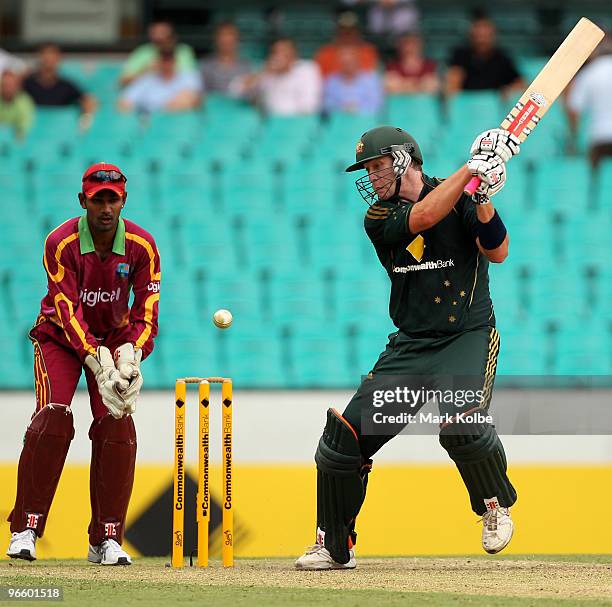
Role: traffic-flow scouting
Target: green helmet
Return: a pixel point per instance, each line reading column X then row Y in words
column 377, row 142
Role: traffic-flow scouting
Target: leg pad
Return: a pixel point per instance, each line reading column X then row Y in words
column 45, row 447
column 479, row 455
column 113, row 458
column 341, row 484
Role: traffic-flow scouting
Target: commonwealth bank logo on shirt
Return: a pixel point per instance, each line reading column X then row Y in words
column 417, row 248
column 427, row 265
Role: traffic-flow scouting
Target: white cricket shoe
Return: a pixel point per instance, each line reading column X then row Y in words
column 497, row 529
column 23, row 545
column 109, row 552
column 317, row 558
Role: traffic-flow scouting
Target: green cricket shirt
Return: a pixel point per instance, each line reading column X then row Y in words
column 439, row 278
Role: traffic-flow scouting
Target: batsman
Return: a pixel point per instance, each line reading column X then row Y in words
column 92, row 263
column 435, row 243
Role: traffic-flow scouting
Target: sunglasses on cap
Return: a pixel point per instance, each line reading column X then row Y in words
column 106, row 177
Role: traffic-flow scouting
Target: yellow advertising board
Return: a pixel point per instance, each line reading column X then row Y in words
column 410, row 510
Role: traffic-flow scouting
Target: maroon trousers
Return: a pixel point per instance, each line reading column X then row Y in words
column 57, row 370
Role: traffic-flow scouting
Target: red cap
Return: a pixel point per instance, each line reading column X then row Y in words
column 92, row 185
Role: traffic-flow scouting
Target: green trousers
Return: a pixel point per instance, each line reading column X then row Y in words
column 467, row 360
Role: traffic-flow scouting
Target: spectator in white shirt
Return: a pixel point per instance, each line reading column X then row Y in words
column 287, row 85
column 592, row 94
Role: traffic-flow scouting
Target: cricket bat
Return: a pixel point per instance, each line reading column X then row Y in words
column 549, row 83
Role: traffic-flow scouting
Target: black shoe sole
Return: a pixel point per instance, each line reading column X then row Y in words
column 24, row 555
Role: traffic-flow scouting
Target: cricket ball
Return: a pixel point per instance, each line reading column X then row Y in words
column 223, row 319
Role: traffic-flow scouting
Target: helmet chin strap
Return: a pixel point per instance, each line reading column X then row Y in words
column 398, row 185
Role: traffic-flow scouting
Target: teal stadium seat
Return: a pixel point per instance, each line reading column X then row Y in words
column 315, row 355
column 252, row 356
column 14, row 373
column 260, row 240
column 562, row 183
column 505, row 291
column 100, row 78
column 421, row 116
column 205, row 241
column 522, row 353
column 602, row 196
column 297, row 295
column 339, row 135
column 340, row 241
column 365, row 341
column 468, row 114
column 363, row 297
column 583, row 348
column 240, row 293
column 227, row 121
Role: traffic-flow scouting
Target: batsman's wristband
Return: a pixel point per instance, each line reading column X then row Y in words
column 480, row 199
column 492, row 233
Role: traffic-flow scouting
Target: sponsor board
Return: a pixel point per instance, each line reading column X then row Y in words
column 401, row 515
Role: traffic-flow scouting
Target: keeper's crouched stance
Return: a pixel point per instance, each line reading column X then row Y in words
column 92, row 263
column 435, row 243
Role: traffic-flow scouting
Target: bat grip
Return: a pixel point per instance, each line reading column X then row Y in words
column 471, row 186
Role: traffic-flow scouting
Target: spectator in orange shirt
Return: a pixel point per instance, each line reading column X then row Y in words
column 410, row 71
column 347, row 34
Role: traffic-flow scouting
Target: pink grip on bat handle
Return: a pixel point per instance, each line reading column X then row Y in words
column 471, row 186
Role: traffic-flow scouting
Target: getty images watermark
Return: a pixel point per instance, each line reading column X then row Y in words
column 392, row 405
column 404, row 405
column 420, row 397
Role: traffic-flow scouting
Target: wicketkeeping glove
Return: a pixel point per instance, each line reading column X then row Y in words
column 127, row 362
column 110, row 383
column 491, row 172
column 496, row 142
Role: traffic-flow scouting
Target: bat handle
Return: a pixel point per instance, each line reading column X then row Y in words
column 471, row 186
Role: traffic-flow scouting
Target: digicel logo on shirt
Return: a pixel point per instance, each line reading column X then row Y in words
column 91, row 298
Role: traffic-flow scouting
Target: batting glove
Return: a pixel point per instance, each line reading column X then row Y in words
column 496, row 142
column 490, row 171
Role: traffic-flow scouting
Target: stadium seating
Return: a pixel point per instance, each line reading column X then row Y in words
column 257, row 215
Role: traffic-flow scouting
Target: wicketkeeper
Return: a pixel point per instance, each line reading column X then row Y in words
column 92, row 262
column 435, row 242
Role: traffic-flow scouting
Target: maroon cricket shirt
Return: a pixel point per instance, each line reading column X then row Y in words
column 89, row 298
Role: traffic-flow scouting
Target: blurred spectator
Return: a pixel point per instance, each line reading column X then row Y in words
column 347, row 34
column 410, row 71
column 287, row 85
column 167, row 88
column 162, row 39
column 393, row 17
column 481, row 64
column 47, row 88
column 10, row 62
column 352, row 89
column 219, row 70
column 16, row 107
column 592, row 93
column 387, row 17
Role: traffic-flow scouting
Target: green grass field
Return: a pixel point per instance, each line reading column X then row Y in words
column 433, row 581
